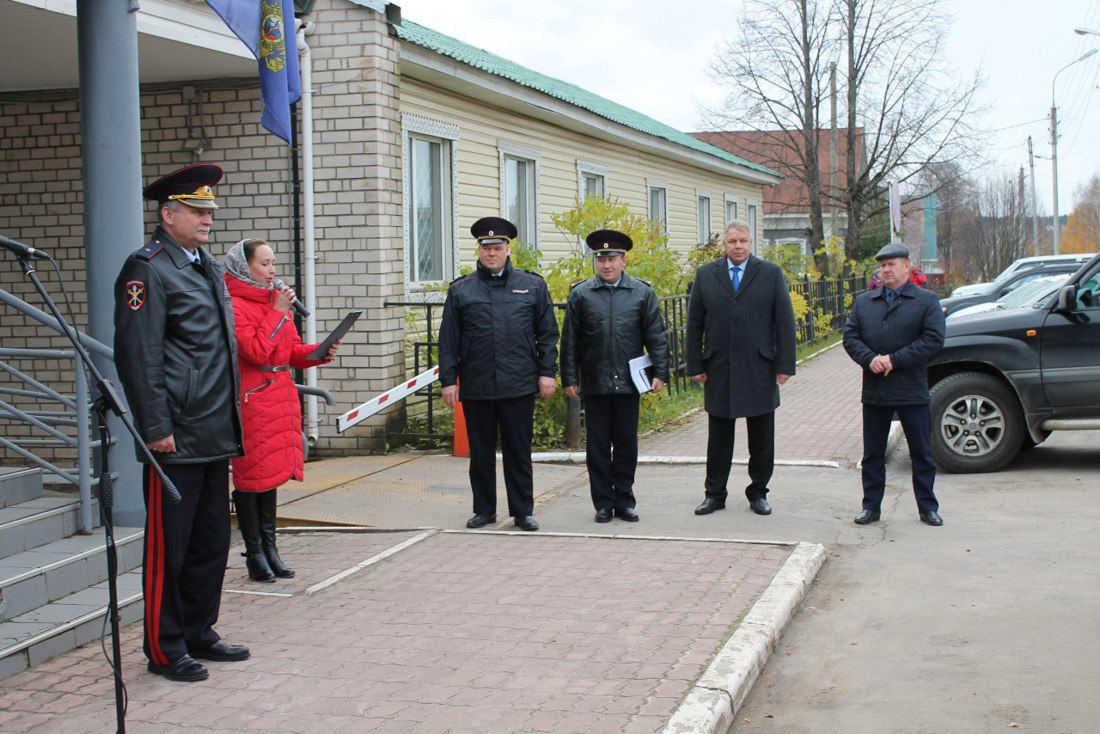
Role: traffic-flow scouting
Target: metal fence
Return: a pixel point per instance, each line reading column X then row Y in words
column 828, row 307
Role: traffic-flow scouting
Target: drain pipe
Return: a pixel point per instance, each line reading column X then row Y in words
column 310, row 255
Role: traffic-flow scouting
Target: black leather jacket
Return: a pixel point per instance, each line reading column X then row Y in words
column 176, row 352
column 605, row 327
column 499, row 335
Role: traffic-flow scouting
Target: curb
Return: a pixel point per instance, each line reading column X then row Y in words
column 578, row 457
column 715, row 698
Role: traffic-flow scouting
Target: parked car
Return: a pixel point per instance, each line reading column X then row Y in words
column 1006, row 379
column 1017, row 280
column 1026, row 296
column 1023, row 263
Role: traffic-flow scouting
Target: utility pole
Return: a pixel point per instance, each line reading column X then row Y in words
column 1054, row 167
column 1034, row 204
column 834, row 156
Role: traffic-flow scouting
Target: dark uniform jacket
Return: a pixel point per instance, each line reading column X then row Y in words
column 605, row 327
column 499, row 335
column 910, row 331
column 743, row 340
column 176, row 352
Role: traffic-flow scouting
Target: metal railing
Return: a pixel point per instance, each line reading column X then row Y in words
column 831, row 298
column 52, row 410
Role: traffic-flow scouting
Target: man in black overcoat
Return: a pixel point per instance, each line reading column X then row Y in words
column 892, row 333
column 741, row 346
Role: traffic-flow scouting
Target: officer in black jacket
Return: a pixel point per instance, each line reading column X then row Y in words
column 175, row 352
column 892, row 333
column 611, row 319
column 497, row 349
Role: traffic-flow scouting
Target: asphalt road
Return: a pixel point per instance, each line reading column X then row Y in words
column 989, row 623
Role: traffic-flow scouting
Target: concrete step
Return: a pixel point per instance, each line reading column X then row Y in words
column 34, row 578
column 19, row 484
column 65, row 624
column 28, row 525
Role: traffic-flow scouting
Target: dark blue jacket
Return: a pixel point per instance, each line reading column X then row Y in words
column 498, row 336
column 910, row 331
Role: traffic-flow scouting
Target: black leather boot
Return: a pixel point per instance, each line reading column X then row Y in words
column 267, row 504
column 248, row 520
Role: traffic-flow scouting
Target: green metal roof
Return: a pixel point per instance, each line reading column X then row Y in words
column 570, row 93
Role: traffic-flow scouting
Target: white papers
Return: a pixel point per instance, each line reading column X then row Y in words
column 638, row 373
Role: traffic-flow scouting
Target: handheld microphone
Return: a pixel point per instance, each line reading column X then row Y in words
column 22, row 250
column 298, row 305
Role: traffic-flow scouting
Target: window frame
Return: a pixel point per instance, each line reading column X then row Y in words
column 750, row 217
column 591, row 169
column 650, row 185
column 507, row 149
column 728, row 199
column 418, row 127
column 701, row 194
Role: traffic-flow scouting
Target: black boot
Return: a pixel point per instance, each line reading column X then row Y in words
column 266, row 501
column 248, row 520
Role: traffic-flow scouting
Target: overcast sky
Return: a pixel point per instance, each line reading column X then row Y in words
column 654, row 57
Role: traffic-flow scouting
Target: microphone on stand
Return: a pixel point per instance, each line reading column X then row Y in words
column 23, row 250
column 298, row 305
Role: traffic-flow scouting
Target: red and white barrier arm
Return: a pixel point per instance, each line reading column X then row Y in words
column 386, row 399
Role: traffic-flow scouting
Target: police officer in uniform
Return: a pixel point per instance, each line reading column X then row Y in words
column 497, row 350
column 610, row 319
column 175, row 352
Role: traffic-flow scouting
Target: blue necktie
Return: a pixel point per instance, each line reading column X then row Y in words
column 735, row 277
column 889, row 296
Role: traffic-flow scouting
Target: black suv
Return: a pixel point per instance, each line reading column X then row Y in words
column 1020, row 278
column 1006, row 379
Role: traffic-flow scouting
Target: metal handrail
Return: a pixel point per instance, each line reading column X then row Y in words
column 76, row 410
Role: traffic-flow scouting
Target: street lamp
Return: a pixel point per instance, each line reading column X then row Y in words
column 1054, row 137
column 1082, row 31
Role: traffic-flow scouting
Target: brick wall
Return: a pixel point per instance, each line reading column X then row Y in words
column 358, row 203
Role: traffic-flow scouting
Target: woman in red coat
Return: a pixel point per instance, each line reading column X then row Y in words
column 268, row 346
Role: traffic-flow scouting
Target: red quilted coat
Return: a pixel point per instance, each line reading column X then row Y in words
column 270, row 412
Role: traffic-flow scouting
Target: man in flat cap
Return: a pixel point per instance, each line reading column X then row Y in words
column 498, row 348
column 892, row 333
column 611, row 319
column 741, row 346
column 175, row 351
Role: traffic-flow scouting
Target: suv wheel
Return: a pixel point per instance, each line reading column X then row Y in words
column 977, row 423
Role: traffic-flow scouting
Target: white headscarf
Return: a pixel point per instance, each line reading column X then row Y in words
column 236, row 264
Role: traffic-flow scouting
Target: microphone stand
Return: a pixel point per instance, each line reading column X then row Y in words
column 107, row 401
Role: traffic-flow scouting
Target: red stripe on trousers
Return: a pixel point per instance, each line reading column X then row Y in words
column 154, row 569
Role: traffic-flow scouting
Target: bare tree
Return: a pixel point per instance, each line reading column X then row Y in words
column 955, row 194
column 777, row 70
column 905, row 111
column 1002, row 228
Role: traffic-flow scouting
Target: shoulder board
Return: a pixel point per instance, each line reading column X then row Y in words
column 150, row 250
column 462, row 278
column 643, row 282
column 527, row 272
column 579, row 282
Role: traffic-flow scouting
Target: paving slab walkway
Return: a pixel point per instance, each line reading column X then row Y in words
column 453, row 632
column 819, row 418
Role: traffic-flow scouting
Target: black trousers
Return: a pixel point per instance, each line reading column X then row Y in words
column 761, row 429
column 611, row 451
column 513, row 419
column 916, row 421
column 186, row 549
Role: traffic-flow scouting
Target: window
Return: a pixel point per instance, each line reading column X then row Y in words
column 703, row 212
column 591, row 180
column 752, row 226
column 429, row 199
column 519, row 199
column 658, row 203
column 731, row 208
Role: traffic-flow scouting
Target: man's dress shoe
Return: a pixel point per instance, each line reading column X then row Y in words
column 867, row 517
column 760, row 506
column 526, row 522
column 603, row 515
column 480, row 521
column 931, row 518
column 710, row 505
column 627, row 513
column 186, row 669
column 222, row 651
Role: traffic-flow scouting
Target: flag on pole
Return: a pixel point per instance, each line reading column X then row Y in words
column 268, row 31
